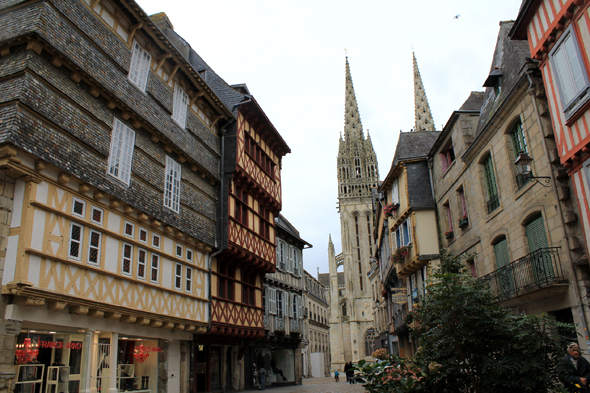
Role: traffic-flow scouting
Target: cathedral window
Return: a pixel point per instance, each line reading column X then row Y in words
column 140, row 66
column 357, row 167
column 344, row 313
column 172, row 185
column 180, row 106
column 121, row 152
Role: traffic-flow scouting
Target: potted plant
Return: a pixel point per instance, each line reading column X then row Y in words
column 400, row 254
column 463, row 222
column 390, row 209
column 449, row 235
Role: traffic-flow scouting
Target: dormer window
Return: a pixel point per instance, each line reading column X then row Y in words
column 494, row 80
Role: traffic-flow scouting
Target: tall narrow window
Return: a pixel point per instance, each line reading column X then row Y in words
column 188, row 280
column 295, row 261
column 463, row 202
column 172, row 185
column 141, row 258
column 76, row 235
column 121, row 153
column 491, row 187
column 155, row 268
column 140, row 66
column 94, row 247
column 505, row 273
column 178, row 277
column 447, row 156
column 126, row 259
column 449, row 216
column 180, row 106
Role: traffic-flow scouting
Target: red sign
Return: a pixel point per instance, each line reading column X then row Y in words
column 59, row 345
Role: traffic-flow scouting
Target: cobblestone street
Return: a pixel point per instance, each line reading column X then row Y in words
column 319, row 385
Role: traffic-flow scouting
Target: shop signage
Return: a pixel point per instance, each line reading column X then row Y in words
column 59, row 345
column 399, row 298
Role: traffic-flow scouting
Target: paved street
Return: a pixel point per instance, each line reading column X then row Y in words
column 319, row 385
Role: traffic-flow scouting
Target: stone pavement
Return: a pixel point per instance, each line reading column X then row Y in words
column 318, row 385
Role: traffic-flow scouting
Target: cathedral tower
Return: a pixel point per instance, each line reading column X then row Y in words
column 350, row 292
column 424, row 121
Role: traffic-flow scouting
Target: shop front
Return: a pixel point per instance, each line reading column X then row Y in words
column 62, row 362
column 279, row 364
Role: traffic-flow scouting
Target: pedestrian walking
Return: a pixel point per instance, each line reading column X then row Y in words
column 574, row 370
column 262, row 376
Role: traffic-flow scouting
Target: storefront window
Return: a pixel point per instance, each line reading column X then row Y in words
column 50, row 362
column 137, row 364
column 278, row 363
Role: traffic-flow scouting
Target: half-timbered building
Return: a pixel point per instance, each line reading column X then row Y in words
column 109, row 158
column 252, row 150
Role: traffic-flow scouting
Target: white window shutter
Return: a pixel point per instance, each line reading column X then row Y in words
column 273, row 300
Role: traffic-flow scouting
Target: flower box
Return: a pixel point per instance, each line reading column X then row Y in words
column 464, row 222
column 400, row 254
column 449, row 235
column 390, row 209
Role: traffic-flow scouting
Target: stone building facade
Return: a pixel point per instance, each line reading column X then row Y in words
column 350, row 307
column 279, row 352
column 110, row 150
column 316, row 331
column 524, row 233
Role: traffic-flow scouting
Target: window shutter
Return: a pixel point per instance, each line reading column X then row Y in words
column 287, row 306
column 501, row 252
column 300, row 306
column 290, row 268
column 273, row 300
column 535, row 232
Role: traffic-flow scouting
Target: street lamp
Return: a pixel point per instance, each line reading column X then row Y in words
column 523, row 164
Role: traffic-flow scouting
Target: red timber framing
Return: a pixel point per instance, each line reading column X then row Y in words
column 253, row 203
column 548, row 25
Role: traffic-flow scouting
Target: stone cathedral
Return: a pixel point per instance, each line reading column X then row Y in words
column 350, row 292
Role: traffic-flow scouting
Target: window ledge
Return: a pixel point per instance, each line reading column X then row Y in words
column 449, row 168
column 493, row 214
column 576, row 113
column 523, row 190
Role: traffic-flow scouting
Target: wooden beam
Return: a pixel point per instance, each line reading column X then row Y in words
column 56, row 306
column 161, row 61
column 94, row 3
column 57, row 61
column 35, row 46
column 4, row 51
column 76, row 76
column 132, row 32
column 173, row 72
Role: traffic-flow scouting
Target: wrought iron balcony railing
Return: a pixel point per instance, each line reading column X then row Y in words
column 274, row 323
column 539, row 269
column 294, row 326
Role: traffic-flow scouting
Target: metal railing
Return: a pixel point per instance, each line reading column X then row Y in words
column 274, row 323
column 539, row 269
column 399, row 318
column 294, row 326
column 493, row 203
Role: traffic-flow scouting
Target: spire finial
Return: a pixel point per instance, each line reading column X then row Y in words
column 352, row 119
column 422, row 114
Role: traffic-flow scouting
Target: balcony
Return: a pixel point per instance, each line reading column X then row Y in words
column 399, row 325
column 294, row 326
column 532, row 277
column 409, row 263
column 274, row 323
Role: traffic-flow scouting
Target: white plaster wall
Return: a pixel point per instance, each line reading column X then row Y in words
column 17, row 207
column 42, row 190
column 317, row 365
column 111, row 253
column 34, row 269
column 114, row 222
column 38, row 230
column 167, row 268
column 10, row 261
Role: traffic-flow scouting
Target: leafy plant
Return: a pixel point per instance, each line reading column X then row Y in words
column 390, row 209
column 481, row 346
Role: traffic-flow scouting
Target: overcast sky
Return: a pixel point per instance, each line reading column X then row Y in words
column 291, row 54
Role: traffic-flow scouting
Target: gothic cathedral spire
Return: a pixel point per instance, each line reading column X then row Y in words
column 357, row 162
column 422, row 114
column 352, row 119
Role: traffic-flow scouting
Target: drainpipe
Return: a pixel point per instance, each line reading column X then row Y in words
column 530, row 91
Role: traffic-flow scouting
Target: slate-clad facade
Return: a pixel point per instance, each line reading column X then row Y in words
column 109, row 205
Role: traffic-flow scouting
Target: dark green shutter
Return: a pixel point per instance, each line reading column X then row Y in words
column 541, row 261
column 505, row 276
